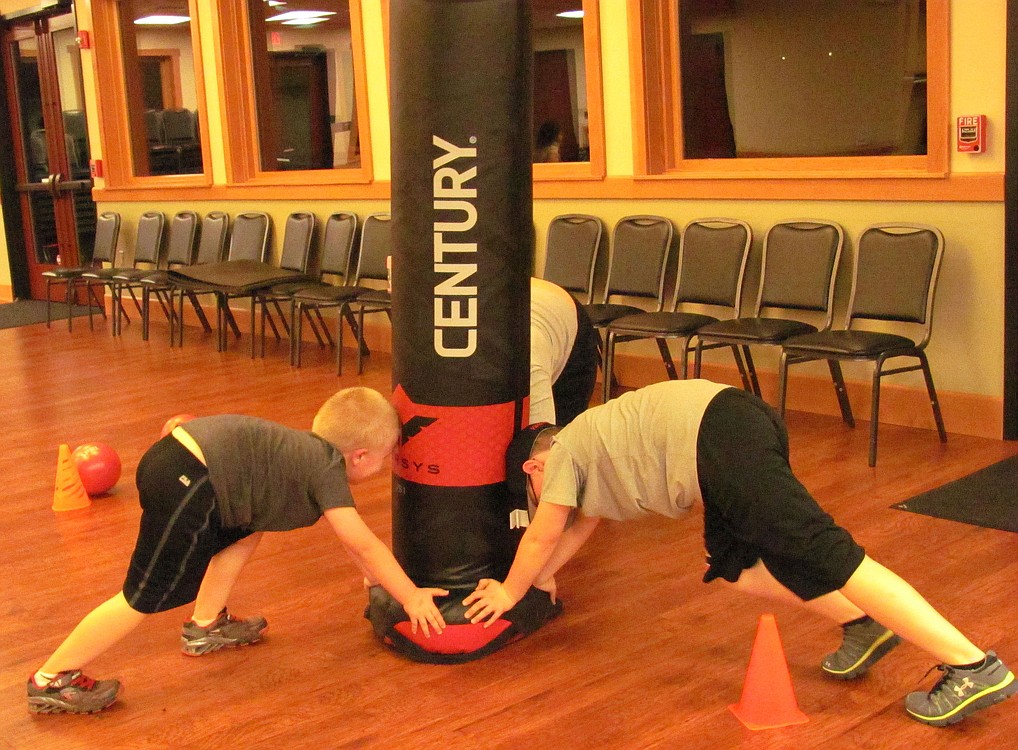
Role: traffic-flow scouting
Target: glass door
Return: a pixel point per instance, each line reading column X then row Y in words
column 42, row 63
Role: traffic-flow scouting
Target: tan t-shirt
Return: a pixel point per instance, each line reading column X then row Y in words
column 634, row 455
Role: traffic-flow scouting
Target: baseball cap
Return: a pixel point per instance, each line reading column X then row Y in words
column 515, row 455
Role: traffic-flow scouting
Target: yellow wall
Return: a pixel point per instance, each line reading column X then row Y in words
column 967, row 348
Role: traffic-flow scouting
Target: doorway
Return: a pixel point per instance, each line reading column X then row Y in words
column 52, row 202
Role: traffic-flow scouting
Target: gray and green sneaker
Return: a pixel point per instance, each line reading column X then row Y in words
column 71, row 692
column 223, row 632
column 960, row 692
column 862, row 645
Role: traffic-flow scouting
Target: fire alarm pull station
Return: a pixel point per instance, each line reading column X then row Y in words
column 972, row 133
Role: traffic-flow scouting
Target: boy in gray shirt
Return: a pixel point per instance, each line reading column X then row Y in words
column 208, row 492
column 662, row 448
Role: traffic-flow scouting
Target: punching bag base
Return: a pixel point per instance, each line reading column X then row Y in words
column 461, row 641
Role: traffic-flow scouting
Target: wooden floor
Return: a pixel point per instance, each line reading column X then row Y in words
column 644, row 655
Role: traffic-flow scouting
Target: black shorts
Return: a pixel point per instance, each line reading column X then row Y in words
column 755, row 508
column 573, row 388
column 180, row 529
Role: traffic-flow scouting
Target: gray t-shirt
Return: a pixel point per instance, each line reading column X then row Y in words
column 634, row 455
column 269, row 477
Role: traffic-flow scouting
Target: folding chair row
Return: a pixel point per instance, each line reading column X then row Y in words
column 893, row 281
column 356, row 259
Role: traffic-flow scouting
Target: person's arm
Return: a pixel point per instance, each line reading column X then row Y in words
column 491, row 599
column 378, row 564
column 569, row 544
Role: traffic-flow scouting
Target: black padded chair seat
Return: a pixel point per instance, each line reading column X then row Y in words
column 374, row 297
column 662, row 323
column 757, row 330
column 602, row 313
column 328, row 293
column 848, row 343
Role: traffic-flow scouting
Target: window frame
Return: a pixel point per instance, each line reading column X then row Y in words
column 120, row 141
column 238, row 107
column 657, row 114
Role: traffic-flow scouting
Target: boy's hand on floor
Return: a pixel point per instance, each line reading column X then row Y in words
column 487, row 602
column 423, row 612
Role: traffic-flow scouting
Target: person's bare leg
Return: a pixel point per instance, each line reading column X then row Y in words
column 98, row 630
column 759, row 581
column 888, row 598
column 222, row 574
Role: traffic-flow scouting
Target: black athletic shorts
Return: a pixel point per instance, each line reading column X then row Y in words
column 755, row 508
column 180, row 529
column 573, row 388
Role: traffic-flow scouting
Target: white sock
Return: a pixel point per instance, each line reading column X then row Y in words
column 42, row 679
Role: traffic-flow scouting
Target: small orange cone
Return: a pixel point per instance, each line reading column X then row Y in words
column 768, row 700
column 70, row 493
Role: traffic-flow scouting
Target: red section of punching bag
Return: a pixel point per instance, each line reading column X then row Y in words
column 455, row 639
column 453, row 446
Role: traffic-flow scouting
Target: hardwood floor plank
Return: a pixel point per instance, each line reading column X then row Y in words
column 643, row 656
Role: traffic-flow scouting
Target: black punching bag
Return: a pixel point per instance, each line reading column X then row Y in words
column 462, row 218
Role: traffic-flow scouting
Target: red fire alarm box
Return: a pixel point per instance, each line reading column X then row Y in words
column 972, row 133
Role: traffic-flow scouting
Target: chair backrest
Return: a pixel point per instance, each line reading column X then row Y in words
column 638, row 257
column 573, row 246
column 212, row 245
column 148, row 241
column 298, row 241
column 154, row 126
column 182, row 239
column 712, row 262
column 107, row 232
column 376, row 245
column 799, row 266
column 249, row 238
column 338, row 244
column 179, row 126
column 895, row 276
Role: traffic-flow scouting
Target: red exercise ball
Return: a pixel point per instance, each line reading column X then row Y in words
column 98, row 466
column 173, row 422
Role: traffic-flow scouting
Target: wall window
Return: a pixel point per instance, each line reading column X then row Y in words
column 151, row 93
column 568, row 118
column 780, row 86
column 298, row 102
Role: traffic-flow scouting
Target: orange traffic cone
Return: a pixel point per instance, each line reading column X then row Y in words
column 70, row 493
column 768, row 700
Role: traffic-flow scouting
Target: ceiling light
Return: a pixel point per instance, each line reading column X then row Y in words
column 570, row 14
column 302, row 16
column 161, row 20
column 306, row 22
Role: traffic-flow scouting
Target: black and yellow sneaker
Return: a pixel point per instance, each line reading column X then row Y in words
column 863, row 644
column 71, row 692
column 223, row 632
column 961, row 692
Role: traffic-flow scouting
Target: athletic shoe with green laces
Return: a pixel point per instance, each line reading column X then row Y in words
column 961, row 692
column 73, row 693
column 223, row 632
column 863, row 644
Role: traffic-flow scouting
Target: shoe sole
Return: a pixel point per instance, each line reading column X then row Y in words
column 875, row 654
column 203, row 648
column 996, row 694
column 42, row 705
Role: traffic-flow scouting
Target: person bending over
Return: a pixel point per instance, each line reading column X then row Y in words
column 208, row 492
column 661, row 448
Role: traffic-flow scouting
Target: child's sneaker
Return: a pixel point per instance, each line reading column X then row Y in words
column 223, row 632
column 961, row 692
column 71, row 692
column 862, row 645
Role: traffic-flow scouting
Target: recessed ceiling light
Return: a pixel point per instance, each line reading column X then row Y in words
column 302, row 15
column 164, row 20
column 570, row 14
column 303, row 22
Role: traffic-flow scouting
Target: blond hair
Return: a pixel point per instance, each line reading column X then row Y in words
column 357, row 417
